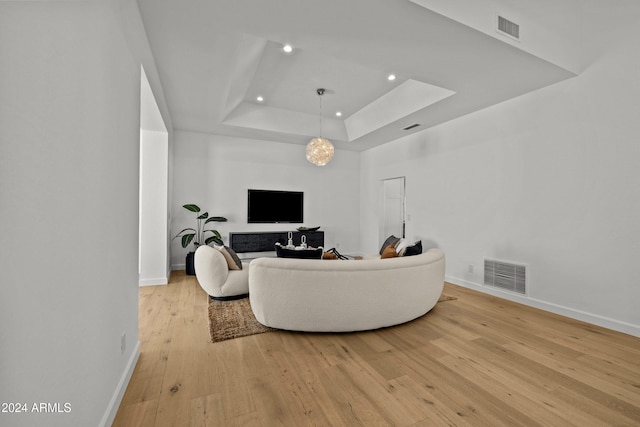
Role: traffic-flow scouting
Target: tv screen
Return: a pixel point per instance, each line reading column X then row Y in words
column 271, row 206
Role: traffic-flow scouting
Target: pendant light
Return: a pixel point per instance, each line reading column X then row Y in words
column 320, row 150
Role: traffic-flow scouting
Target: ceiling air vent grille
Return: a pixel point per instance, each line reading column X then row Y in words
column 415, row 125
column 505, row 275
column 509, row 28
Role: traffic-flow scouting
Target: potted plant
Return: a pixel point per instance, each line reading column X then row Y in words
column 198, row 235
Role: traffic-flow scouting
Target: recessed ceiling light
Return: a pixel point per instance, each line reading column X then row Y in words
column 259, row 99
column 391, row 77
column 287, row 48
column 338, row 113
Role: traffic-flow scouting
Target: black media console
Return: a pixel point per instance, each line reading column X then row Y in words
column 265, row 241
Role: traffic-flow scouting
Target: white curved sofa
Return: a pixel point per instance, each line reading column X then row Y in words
column 344, row 295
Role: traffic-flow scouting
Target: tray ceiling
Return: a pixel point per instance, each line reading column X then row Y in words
column 215, row 57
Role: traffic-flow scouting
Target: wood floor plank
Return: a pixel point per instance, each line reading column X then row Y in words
column 513, row 392
column 420, row 399
column 474, row 361
column 354, row 406
column 207, row 411
column 580, row 372
column 547, row 375
column 467, row 398
column 142, row 414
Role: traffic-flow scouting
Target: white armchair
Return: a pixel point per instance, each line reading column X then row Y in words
column 214, row 276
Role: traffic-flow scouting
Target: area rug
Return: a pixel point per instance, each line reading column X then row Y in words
column 233, row 319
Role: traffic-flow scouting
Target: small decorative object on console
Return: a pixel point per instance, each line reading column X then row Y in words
column 298, row 252
column 309, row 229
column 290, row 244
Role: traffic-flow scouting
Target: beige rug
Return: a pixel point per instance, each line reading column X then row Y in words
column 234, row 319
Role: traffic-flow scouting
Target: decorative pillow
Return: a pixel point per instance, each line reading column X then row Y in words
column 391, row 240
column 415, row 249
column 233, row 261
column 282, row 252
column 401, row 246
column 329, row 255
column 389, row 252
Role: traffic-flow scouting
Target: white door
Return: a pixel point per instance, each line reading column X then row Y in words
column 392, row 215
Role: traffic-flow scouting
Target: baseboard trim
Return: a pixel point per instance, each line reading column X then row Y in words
column 118, row 394
column 605, row 322
column 153, row 281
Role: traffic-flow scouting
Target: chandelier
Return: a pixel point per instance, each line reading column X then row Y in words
column 320, row 150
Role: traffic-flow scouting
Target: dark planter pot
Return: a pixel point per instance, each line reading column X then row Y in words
column 191, row 270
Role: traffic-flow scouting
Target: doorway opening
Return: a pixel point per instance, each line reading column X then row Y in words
column 393, row 208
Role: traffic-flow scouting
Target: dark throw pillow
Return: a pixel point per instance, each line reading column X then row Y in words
column 415, row 249
column 391, row 240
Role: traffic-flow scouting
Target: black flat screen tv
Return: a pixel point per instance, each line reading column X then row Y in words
column 272, row 206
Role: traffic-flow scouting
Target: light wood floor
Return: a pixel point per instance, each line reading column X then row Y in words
column 474, row 361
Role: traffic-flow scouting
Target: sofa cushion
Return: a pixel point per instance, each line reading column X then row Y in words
column 415, row 249
column 233, row 261
column 299, row 253
column 329, row 255
column 401, row 246
column 389, row 252
column 391, row 240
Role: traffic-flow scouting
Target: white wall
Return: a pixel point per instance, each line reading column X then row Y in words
column 69, row 158
column 154, row 238
column 154, row 256
column 549, row 179
column 215, row 172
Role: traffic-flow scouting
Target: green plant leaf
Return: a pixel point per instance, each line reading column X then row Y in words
column 204, row 215
column 186, row 239
column 216, row 219
column 215, row 233
column 214, row 239
column 186, row 229
column 192, row 208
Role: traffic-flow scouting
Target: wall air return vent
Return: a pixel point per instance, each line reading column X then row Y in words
column 508, row 28
column 505, row 275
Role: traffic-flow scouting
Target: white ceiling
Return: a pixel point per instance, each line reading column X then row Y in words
column 215, row 56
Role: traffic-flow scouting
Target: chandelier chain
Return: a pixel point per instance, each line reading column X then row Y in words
column 320, row 93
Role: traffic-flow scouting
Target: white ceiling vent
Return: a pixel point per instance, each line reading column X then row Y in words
column 508, row 28
column 505, row 275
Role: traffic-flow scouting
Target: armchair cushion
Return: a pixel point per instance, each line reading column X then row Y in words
column 233, row 261
column 391, row 240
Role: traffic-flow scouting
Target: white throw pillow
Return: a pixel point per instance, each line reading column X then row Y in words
column 401, row 246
